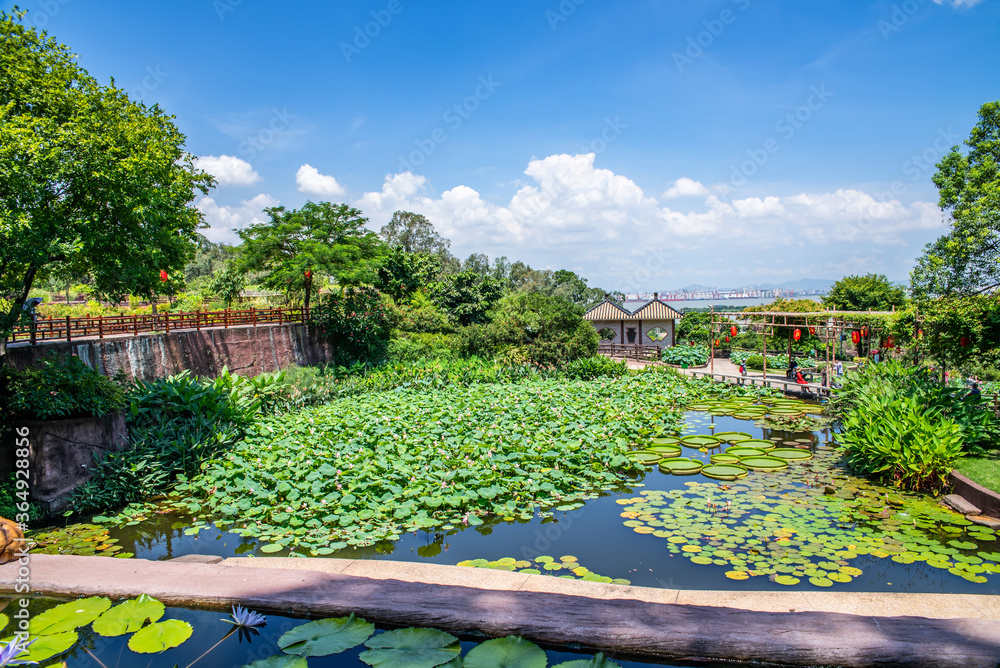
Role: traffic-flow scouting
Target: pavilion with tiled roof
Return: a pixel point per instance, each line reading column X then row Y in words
column 650, row 323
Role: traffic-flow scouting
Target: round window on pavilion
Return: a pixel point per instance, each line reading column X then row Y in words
column 607, row 334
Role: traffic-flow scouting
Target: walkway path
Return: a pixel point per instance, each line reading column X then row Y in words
column 795, row 628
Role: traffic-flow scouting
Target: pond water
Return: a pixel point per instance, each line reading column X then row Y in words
column 812, row 525
column 93, row 650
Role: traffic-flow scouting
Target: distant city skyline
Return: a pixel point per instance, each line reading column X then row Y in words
column 640, row 144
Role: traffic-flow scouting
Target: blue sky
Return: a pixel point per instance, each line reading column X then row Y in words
column 645, row 144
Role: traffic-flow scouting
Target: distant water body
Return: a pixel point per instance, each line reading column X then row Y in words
column 729, row 304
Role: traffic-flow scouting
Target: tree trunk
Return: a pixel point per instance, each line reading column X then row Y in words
column 10, row 319
column 309, row 285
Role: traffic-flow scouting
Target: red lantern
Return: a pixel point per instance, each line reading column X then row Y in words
column 733, row 331
column 797, row 334
column 856, row 337
column 716, row 342
column 163, row 276
column 727, row 339
column 965, row 341
column 812, row 331
column 890, row 342
column 309, row 273
column 864, row 332
column 920, row 333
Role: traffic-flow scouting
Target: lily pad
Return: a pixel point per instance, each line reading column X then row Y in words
column 44, row 648
column 509, row 652
column 326, row 636
column 160, row 636
column 128, row 617
column 763, row 463
column 700, row 441
column 733, row 436
column 68, row 616
column 280, row 661
column 410, row 648
column 790, row 454
column 723, row 458
column 741, row 452
column 599, row 661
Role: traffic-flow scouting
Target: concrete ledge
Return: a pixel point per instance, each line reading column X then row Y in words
column 986, row 500
column 779, row 628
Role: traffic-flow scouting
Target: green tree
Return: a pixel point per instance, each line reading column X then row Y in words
column 293, row 246
column 91, row 183
column 966, row 261
column 402, row 273
column 466, row 297
column 413, row 233
column 862, row 293
column 229, row 283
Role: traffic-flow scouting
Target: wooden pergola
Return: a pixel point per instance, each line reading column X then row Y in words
column 829, row 326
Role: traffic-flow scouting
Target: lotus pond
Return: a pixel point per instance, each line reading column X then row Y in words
column 143, row 632
column 649, row 479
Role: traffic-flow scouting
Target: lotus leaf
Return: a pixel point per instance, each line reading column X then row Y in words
column 509, row 652
column 160, row 636
column 326, row 636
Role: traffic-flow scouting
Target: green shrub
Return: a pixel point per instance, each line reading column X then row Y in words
column 685, row 354
column 61, row 386
column 414, row 347
column 897, row 438
column 356, row 325
column 174, row 425
column 590, row 368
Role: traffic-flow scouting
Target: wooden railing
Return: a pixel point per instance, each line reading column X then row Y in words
column 634, row 351
column 69, row 329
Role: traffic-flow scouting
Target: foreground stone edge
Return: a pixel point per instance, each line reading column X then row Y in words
column 781, row 628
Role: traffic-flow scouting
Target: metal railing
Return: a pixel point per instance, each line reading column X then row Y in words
column 69, row 329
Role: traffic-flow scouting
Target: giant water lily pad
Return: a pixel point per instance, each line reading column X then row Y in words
column 326, row 636
column 509, row 652
column 644, row 457
column 723, row 458
column 68, row 616
column 790, row 454
column 733, row 436
column 680, row 466
column 764, row 444
column 741, row 452
column 756, row 463
column 410, row 648
column 723, row 472
column 128, row 617
column 160, row 636
column 700, row 441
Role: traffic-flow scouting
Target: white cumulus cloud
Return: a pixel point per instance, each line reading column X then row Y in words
column 311, row 182
column 685, row 187
column 228, row 170
column 225, row 221
column 958, row 4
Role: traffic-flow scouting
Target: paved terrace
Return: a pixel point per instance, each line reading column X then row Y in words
column 794, row 628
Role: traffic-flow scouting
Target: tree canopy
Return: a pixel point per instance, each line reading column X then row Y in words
column 413, row 233
column 966, row 261
column 295, row 246
column 862, row 293
column 91, row 182
column 467, row 297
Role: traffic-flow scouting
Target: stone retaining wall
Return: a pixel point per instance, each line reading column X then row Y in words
column 247, row 351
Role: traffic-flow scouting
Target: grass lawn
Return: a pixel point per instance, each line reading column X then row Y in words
column 984, row 469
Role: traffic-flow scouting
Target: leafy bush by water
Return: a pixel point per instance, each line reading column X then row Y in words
column 899, row 423
column 60, row 386
column 686, row 355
